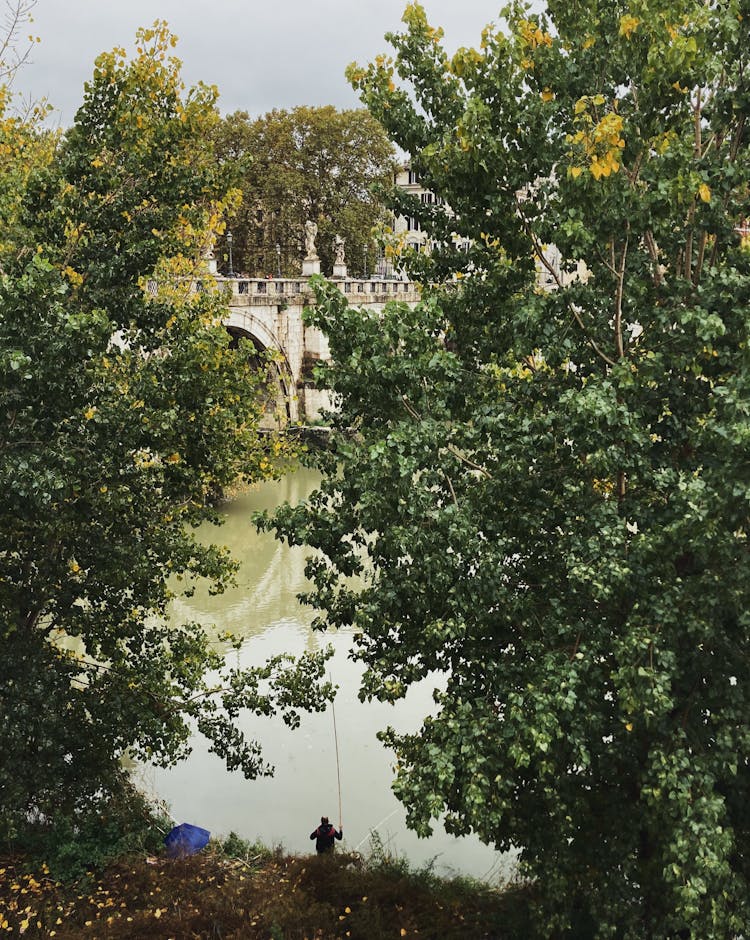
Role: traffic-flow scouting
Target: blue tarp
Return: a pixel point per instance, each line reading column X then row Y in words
column 186, row 840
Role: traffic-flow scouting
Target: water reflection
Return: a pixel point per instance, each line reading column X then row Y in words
column 286, row 808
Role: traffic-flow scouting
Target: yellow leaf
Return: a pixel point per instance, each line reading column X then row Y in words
column 628, row 25
column 629, row 726
column 548, row 95
column 575, row 171
column 73, row 276
column 662, row 144
column 704, row 191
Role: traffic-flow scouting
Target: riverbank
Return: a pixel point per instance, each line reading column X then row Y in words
column 256, row 894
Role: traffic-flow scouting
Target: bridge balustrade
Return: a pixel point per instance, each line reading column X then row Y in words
column 265, row 288
column 268, row 287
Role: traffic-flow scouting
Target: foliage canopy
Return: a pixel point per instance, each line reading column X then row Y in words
column 546, row 490
column 124, row 412
column 307, row 163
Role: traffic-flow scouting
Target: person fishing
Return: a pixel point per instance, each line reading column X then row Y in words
column 325, row 834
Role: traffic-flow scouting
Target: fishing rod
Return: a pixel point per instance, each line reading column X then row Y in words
column 338, row 764
column 338, row 777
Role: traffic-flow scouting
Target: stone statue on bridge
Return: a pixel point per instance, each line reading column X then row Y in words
column 339, row 265
column 311, row 262
column 338, row 247
column 311, row 230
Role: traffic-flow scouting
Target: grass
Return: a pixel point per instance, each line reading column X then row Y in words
column 236, row 890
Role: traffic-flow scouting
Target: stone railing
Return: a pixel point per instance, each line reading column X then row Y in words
column 254, row 291
column 269, row 290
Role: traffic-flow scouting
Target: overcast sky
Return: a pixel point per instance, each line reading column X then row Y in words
column 262, row 54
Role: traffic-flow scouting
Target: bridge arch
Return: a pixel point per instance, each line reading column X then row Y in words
column 242, row 323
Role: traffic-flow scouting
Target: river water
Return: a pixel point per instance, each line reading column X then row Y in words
column 284, row 809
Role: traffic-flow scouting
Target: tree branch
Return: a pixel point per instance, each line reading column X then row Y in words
column 17, row 14
column 653, row 250
column 451, row 448
column 618, row 299
column 539, row 253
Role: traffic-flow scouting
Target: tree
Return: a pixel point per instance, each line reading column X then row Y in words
column 307, row 163
column 546, row 491
column 123, row 411
column 15, row 49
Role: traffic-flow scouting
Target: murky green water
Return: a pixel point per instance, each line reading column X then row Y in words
column 286, row 808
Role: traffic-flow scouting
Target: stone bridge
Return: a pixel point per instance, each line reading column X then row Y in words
column 269, row 312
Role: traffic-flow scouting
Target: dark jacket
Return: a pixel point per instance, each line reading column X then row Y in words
column 324, row 836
